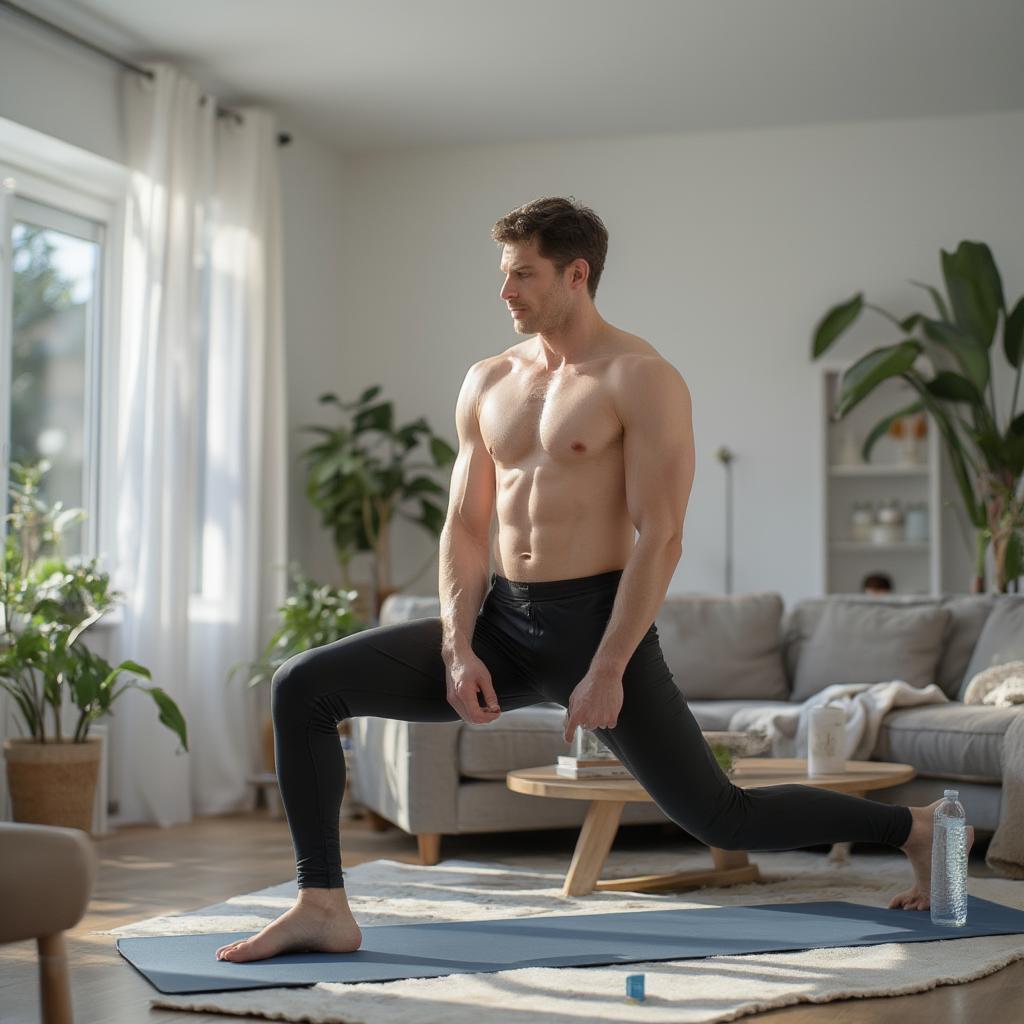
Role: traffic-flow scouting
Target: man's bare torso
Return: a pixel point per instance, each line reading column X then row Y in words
column 556, row 442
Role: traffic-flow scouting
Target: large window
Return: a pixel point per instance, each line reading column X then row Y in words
column 60, row 217
column 56, row 314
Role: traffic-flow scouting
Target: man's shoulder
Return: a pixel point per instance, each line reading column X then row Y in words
column 489, row 368
column 485, row 373
column 641, row 376
column 638, row 361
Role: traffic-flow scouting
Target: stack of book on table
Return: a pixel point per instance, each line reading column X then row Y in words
column 591, row 767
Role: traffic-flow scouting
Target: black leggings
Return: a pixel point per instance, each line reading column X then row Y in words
column 537, row 640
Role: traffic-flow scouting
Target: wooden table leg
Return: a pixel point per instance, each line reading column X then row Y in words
column 732, row 867
column 595, row 840
column 729, row 860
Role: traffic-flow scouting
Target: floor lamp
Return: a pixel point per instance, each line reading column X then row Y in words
column 725, row 456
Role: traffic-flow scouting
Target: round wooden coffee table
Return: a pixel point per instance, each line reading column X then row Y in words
column 608, row 796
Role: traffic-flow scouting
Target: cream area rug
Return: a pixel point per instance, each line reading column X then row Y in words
column 715, row 988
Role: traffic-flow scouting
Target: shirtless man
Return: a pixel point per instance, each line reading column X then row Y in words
column 579, row 438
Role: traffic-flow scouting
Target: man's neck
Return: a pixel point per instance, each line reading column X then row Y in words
column 579, row 340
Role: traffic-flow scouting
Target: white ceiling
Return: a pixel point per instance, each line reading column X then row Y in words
column 386, row 74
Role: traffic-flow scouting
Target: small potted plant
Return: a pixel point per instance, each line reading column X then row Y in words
column 728, row 746
column 313, row 615
column 46, row 604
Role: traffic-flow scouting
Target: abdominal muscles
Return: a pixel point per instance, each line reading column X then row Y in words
column 558, row 524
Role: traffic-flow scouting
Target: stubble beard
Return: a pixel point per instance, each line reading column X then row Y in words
column 556, row 320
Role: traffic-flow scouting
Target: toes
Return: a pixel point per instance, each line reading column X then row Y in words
column 910, row 901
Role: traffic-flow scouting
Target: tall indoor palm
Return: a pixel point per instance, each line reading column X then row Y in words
column 987, row 457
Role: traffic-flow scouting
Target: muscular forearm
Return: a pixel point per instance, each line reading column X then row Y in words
column 640, row 593
column 463, row 576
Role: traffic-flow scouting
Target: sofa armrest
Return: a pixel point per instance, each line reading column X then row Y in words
column 408, row 772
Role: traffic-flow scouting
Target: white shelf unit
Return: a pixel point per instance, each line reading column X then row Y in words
column 914, row 566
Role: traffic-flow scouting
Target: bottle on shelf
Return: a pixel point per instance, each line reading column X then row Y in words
column 916, row 522
column 888, row 528
column 862, row 518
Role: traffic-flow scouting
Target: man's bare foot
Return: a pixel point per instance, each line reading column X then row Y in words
column 918, row 849
column 319, row 922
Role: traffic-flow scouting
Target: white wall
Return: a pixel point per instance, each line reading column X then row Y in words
column 315, row 238
column 725, row 250
column 58, row 88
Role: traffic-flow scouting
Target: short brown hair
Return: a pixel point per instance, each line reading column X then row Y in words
column 565, row 231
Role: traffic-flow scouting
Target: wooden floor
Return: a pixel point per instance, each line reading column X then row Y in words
column 146, row 871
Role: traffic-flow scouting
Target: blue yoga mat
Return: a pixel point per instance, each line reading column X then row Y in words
column 187, row 963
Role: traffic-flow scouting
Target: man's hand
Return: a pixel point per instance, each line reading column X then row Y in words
column 466, row 677
column 595, row 703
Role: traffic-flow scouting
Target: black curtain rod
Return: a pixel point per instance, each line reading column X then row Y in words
column 283, row 138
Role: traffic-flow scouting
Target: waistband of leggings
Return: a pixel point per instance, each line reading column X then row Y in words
column 553, row 590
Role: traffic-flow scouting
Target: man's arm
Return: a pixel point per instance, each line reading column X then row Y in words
column 654, row 406
column 464, row 557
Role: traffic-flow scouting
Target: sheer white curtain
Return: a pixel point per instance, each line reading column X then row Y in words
column 245, row 487
column 201, row 332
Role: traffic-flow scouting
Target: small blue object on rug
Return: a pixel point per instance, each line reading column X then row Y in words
column 635, row 987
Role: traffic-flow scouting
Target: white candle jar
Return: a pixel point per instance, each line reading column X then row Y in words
column 826, row 741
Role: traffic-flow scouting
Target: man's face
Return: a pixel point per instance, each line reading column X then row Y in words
column 535, row 294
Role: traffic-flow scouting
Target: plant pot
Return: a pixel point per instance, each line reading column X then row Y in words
column 53, row 783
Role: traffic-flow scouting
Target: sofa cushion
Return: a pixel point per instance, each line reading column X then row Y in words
column 1001, row 639
column 403, row 607
column 970, row 612
column 871, row 642
column 532, row 736
column 524, row 738
column 801, row 620
column 947, row 741
column 720, row 648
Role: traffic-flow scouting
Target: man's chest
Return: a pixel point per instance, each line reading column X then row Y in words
column 569, row 420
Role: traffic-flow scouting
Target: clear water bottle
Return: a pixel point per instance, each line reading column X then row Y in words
column 949, row 862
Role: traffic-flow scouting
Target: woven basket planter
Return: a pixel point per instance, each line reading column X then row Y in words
column 53, row 783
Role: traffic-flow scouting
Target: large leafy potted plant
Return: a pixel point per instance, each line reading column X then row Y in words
column 312, row 615
column 46, row 605
column 362, row 474
column 987, row 456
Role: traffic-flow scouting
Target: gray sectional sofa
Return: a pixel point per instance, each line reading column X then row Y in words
column 435, row 779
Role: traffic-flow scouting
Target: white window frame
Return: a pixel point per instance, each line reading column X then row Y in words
column 57, row 174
